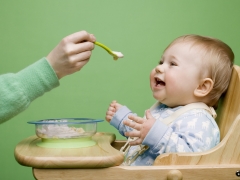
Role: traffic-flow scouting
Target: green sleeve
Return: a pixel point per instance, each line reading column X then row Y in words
column 18, row 90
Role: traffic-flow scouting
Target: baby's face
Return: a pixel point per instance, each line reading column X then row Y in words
column 175, row 78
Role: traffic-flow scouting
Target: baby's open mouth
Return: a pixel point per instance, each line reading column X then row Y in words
column 159, row 82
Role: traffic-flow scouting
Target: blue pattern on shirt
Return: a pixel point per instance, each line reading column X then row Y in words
column 193, row 131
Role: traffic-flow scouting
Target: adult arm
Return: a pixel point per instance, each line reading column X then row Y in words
column 18, row 90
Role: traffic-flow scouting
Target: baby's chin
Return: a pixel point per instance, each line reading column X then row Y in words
column 165, row 102
column 161, row 100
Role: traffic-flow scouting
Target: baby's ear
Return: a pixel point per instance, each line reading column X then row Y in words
column 204, row 87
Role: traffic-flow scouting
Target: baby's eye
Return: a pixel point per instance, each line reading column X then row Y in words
column 173, row 64
column 160, row 62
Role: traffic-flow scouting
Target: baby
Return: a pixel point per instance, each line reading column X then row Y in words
column 193, row 73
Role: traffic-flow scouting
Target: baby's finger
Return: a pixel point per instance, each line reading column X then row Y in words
column 113, row 104
column 110, row 113
column 132, row 124
column 111, row 109
column 136, row 142
column 133, row 134
column 136, row 119
column 108, row 118
column 148, row 114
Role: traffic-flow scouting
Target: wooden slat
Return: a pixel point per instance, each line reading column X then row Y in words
column 210, row 172
column 230, row 107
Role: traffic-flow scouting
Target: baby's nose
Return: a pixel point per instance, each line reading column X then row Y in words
column 159, row 69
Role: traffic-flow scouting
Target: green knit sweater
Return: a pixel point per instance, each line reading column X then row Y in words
column 18, row 90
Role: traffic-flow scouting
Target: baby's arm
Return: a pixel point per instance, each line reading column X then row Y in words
column 112, row 109
column 194, row 133
column 116, row 114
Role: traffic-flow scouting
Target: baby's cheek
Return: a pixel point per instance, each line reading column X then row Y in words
column 174, row 82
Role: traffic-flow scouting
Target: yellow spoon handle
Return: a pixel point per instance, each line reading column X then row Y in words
column 115, row 54
column 104, row 47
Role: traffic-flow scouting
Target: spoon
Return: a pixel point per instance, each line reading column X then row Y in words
column 115, row 54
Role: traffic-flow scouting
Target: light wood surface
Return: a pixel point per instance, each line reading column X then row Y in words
column 102, row 154
column 230, row 105
column 193, row 172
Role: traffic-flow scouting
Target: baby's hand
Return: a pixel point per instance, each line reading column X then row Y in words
column 112, row 109
column 141, row 127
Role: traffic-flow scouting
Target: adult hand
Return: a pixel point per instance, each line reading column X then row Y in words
column 72, row 53
column 141, row 127
column 112, row 109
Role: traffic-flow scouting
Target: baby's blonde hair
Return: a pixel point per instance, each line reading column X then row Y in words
column 218, row 59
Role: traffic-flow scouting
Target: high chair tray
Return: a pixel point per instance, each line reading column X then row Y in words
column 102, row 154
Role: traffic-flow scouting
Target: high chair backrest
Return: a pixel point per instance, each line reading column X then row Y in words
column 227, row 151
column 230, row 103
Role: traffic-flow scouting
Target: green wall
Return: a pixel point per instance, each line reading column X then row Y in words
column 140, row 29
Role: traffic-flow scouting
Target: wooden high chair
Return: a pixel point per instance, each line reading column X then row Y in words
column 221, row 162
